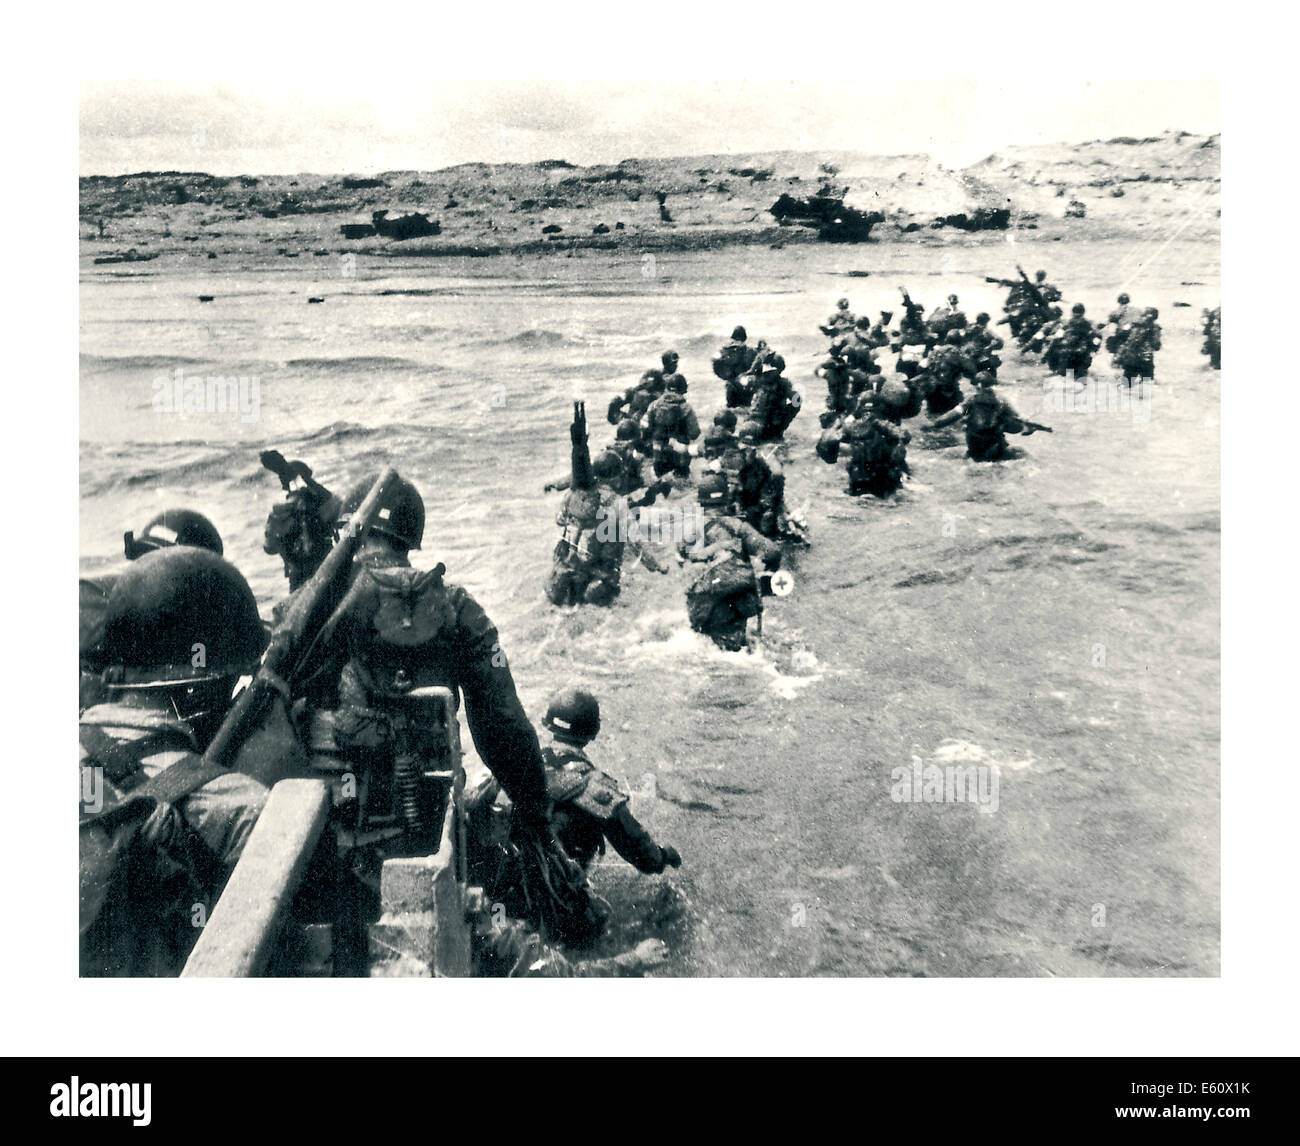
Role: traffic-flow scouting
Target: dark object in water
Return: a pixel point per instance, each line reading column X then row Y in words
column 1182, row 304
column 206, row 297
column 835, row 223
column 600, row 229
column 131, row 256
column 552, row 229
column 357, row 230
column 983, row 219
column 315, row 300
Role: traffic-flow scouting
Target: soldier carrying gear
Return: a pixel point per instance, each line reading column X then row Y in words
column 594, row 520
column 173, row 527
column 589, row 808
column 841, row 320
column 1120, row 320
column 636, row 400
column 758, row 485
column 1135, row 357
column 946, row 319
column 161, row 827
column 835, row 370
column 981, row 345
column 877, row 450
column 988, row 419
column 776, row 402
column 943, row 369
column 302, row 528
column 399, row 629
column 672, row 426
column 726, row 593
column 1071, row 351
column 731, row 363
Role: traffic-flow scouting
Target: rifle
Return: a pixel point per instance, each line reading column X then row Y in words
column 1001, row 282
column 307, row 612
column 1032, row 426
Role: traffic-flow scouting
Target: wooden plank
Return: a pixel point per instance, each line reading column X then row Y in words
column 246, row 923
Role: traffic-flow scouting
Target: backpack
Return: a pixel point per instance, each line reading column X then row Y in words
column 727, row 575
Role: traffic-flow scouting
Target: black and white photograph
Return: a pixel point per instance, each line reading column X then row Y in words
column 538, row 528
column 724, row 504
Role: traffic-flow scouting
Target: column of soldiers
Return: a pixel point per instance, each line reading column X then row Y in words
column 1067, row 346
column 741, row 514
column 933, row 355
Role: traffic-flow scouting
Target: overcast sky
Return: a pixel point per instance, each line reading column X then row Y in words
column 332, row 125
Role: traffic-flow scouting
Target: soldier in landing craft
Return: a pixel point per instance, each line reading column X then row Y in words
column 162, row 827
column 171, row 527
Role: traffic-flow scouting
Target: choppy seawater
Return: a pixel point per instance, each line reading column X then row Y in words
column 1056, row 616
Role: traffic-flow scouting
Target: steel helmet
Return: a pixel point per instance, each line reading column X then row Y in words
column 401, row 512
column 606, row 466
column 669, row 359
column 984, row 378
column 178, row 614
column 954, row 337
column 983, row 316
column 573, row 714
column 173, row 527
column 739, row 335
column 627, row 431
column 676, row 383
column 1123, row 299
column 712, row 489
column 750, row 432
column 726, row 419
column 1077, row 308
